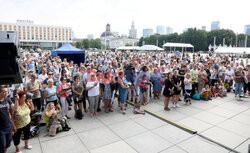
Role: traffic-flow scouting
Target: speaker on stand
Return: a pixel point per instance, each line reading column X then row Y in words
column 10, row 71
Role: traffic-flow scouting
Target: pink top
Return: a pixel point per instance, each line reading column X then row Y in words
column 61, row 87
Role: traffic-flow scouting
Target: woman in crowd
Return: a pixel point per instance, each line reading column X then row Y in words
column 107, row 94
column 177, row 89
column 157, row 86
column 63, row 91
column 77, row 89
column 94, row 92
column 188, row 88
column 239, row 81
column 123, row 91
column 168, row 90
column 21, row 118
column 50, row 92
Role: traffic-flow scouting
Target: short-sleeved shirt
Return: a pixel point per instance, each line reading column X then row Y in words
column 61, row 87
column 188, row 86
column 5, row 121
column 51, row 91
column 34, row 86
column 77, row 88
column 22, row 116
column 94, row 91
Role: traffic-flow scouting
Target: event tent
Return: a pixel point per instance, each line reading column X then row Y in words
column 150, row 48
column 178, row 45
column 130, row 48
column 232, row 50
column 70, row 52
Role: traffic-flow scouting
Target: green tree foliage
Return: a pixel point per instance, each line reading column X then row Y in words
column 78, row 44
column 200, row 39
column 86, row 43
column 95, row 43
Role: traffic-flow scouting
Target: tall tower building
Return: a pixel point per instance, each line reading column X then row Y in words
column 132, row 31
column 160, row 29
column 215, row 25
column 169, row 30
column 247, row 29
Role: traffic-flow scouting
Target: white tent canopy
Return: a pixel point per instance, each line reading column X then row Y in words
column 150, row 48
column 179, row 45
column 231, row 50
column 128, row 48
column 168, row 44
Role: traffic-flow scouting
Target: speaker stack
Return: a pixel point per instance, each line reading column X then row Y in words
column 10, row 71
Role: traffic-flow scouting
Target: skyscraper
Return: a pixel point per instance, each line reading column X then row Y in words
column 204, row 28
column 160, row 29
column 90, row 36
column 169, row 30
column 215, row 25
column 147, row 32
column 247, row 29
column 132, row 31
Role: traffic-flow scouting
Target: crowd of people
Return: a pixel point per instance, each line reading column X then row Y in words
column 52, row 85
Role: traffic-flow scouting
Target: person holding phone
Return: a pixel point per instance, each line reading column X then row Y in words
column 50, row 92
column 63, row 91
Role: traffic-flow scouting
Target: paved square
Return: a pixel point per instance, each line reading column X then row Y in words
column 224, row 120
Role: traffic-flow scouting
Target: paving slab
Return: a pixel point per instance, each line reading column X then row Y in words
column 195, row 124
column 150, row 122
column 174, row 149
column 148, row 142
column 98, row 137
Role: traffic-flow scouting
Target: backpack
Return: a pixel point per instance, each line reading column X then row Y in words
column 79, row 114
column 196, row 96
column 52, row 130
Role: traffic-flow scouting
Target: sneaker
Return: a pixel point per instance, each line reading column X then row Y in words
column 178, row 106
column 174, row 106
column 91, row 114
column 167, row 109
column 29, row 147
column 19, row 152
column 124, row 112
column 96, row 113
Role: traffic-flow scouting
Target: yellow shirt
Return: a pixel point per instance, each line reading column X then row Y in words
column 22, row 116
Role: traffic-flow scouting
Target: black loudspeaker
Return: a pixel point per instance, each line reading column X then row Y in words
column 10, row 72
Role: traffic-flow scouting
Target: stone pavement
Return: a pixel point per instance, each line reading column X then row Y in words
column 224, row 120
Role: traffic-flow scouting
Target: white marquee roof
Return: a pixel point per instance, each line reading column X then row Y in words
column 128, row 48
column 232, row 50
column 150, row 48
column 168, row 44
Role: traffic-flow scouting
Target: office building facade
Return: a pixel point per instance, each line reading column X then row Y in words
column 215, row 25
column 147, row 32
column 169, row 30
column 160, row 29
column 38, row 36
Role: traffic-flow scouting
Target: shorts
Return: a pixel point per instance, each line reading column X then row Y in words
column 77, row 100
column 143, row 90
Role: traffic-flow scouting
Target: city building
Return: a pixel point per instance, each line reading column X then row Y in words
column 247, row 29
column 110, row 40
column 204, row 28
column 38, row 36
column 169, row 30
column 90, row 36
column 132, row 31
column 215, row 25
column 147, row 32
column 160, row 29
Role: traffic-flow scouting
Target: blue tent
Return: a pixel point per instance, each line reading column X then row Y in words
column 70, row 52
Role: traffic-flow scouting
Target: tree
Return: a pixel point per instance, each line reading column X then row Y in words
column 78, row 44
column 229, row 36
column 95, row 43
column 85, row 43
column 127, row 44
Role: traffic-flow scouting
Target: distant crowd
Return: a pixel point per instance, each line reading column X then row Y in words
column 52, row 85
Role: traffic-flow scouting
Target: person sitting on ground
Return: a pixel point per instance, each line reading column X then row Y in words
column 206, row 93
column 51, row 117
column 137, row 106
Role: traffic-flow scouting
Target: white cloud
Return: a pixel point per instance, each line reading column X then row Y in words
column 91, row 16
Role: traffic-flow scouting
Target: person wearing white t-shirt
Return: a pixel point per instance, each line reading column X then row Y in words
column 94, row 92
column 229, row 73
column 188, row 88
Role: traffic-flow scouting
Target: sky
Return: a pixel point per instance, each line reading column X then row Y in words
column 91, row 16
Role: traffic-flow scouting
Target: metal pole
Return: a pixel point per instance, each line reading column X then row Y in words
column 214, row 42
column 236, row 39
column 223, row 41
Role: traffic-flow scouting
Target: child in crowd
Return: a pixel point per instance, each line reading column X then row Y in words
column 137, row 106
column 206, row 93
column 222, row 91
column 188, row 88
column 144, row 89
